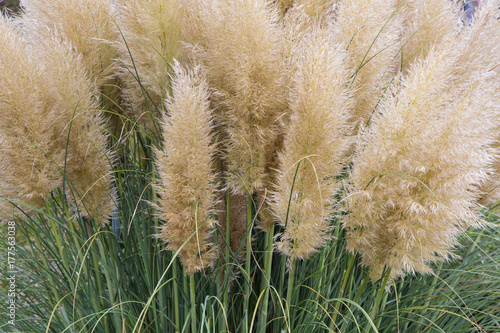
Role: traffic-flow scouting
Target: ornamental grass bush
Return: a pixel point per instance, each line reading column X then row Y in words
column 250, row 166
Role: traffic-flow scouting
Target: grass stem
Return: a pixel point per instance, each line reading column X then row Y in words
column 289, row 293
column 378, row 300
column 248, row 284
column 345, row 277
column 194, row 328
column 175, row 288
column 266, row 281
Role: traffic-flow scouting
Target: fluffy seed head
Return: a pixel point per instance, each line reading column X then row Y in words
column 89, row 27
column 27, row 146
column 79, row 125
column 370, row 33
column 414, row 180
column 240, row 45
column 425, row 23
column 314, row 145
column 151, row 33
column 53, row 124
column 482, row 54
column 187, row 185
column 316, row 8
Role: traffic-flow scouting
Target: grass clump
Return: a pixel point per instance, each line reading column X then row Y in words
column 250, row 166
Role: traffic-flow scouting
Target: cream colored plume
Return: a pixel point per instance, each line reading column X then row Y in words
column 88, row 25
column 240, row 45
column 370, row 31
column 81, row 126
column 151, row 32
column 414, row 180
column 425, row 23
column 313, row 8
column 187, row 186
column 314, row 146
column 57, row 126
column 482, row 53
column 29, row 154
column 316, row 8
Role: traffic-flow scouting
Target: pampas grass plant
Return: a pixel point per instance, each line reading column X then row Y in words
column 240, row 45
column 69, row 146
column 150, row 32
column 88, row 26
column 315, row 145
column 278, row 166
column 187, row 188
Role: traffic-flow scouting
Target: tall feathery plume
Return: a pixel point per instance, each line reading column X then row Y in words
column 314, row 146
column 482, row 56
column 28, row 151
column 295, row 26
column 414, row 181
column 187, row 185
column 151, row 31
column 370, row 31
column 240, row 45
column 59, row 126
column 90, row 27
column 79, row 124
column 425, row 23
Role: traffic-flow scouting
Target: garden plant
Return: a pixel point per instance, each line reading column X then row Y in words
column 250, row 166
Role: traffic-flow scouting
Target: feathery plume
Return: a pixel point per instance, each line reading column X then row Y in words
column 28, row 152
column 82, row 125
column 316, row 8
column 60, row 118
column 314, row 146
column 370, row 33
column 295, row 26
column 88, row 25
column 151, row 33
column 187, row 188
column 480, row 43
column 414, row 180
column 313, row 8
column 425, row 23
column 240, row 44
column 482, row 57
column 78, row 123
